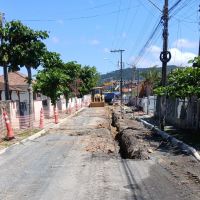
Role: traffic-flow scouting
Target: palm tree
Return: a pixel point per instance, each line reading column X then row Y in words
column 152, row 77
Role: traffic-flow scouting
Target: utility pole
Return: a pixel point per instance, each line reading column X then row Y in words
column 5, row 69
column 199, row 30
column 138, row 82
column 121, row 65
column 165, row 57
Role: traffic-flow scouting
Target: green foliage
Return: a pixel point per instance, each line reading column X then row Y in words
column 152, row 76
column 68, row 79
column 73, row 70
column 51, row 83
column 182, row 82
column 51, row 60
column 195, row 62
column 22, row 46
column 89, row 77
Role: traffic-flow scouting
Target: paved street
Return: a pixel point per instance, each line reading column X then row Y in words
column 80, row 161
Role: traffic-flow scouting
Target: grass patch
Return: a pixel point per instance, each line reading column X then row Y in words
column 19, row 135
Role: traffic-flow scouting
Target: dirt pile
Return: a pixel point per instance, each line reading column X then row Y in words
column 99, row 141
column 132, row 145
column 133, row 138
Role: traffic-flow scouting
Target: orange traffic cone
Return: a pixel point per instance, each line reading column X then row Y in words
column 10, row 134
column 56, row 115
column 41, row 118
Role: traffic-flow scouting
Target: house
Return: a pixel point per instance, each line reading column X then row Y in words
column 18, row 91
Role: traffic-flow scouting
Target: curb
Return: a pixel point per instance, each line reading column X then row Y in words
column 40, row 133
column 171, row 139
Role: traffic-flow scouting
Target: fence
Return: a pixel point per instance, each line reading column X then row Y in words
column 181, row 113
column 19, row 122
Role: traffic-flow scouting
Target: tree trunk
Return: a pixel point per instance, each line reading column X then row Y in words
column 30, row 94
column 6, row 85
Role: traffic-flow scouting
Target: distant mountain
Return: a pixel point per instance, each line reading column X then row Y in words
column 127, row 73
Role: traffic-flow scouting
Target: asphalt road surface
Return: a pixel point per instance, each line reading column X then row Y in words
column 80, row 161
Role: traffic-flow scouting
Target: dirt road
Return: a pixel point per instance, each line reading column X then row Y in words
column 80, row 161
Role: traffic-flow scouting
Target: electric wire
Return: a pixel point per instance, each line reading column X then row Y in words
column 117, row 22
column 143, row 49
column 129, row 28
column 118, row 43
column 142, row 33
column 176, row 11
column 154, row 5
column 76, row 18
column 145, row 46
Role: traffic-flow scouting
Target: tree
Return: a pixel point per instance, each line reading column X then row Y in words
column 152, row 78
column 51, row 81
column 89, row 77
column 195, row 62
column 182, row 82
column 73, row 69
column 22, row 46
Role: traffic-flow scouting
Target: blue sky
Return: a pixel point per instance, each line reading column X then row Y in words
column 86, row 30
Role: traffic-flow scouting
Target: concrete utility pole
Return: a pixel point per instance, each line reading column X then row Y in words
column 165, row 57
column 121, row 65
column 5, row 69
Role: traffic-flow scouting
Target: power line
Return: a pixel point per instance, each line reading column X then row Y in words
column 154, row 5
column 99, row 6
column 143, row 49
column 186, row 3
column 78, row 18
column 143, row 33
column 124, row 22
column 117, row 21
column 174, row 6
column 129, row 27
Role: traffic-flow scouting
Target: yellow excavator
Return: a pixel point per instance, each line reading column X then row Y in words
column 97, row 97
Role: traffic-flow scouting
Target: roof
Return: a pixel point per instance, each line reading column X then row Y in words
column 17, row 81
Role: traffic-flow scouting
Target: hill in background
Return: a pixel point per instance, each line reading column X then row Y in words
column 127, row 73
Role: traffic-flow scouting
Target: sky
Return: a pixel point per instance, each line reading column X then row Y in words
column 87, row 30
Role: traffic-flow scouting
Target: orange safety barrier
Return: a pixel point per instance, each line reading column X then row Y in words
column 10, row 133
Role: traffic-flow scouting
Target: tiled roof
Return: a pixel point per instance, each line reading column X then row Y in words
column 17, row 81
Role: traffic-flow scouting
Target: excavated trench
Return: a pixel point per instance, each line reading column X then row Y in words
column 135, row 141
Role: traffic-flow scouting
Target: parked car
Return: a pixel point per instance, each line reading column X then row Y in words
column 111, row 97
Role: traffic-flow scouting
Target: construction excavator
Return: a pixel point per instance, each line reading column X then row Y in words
column 97, row 97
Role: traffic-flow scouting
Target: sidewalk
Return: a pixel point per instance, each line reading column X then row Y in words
column 189, row 137
column 22, row 134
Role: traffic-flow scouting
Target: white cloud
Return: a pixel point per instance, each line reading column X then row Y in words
column 180, row 58
column 184, row 43
column 154, row 49
column 94, row 42
column 55, row 40
column 144, row 62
